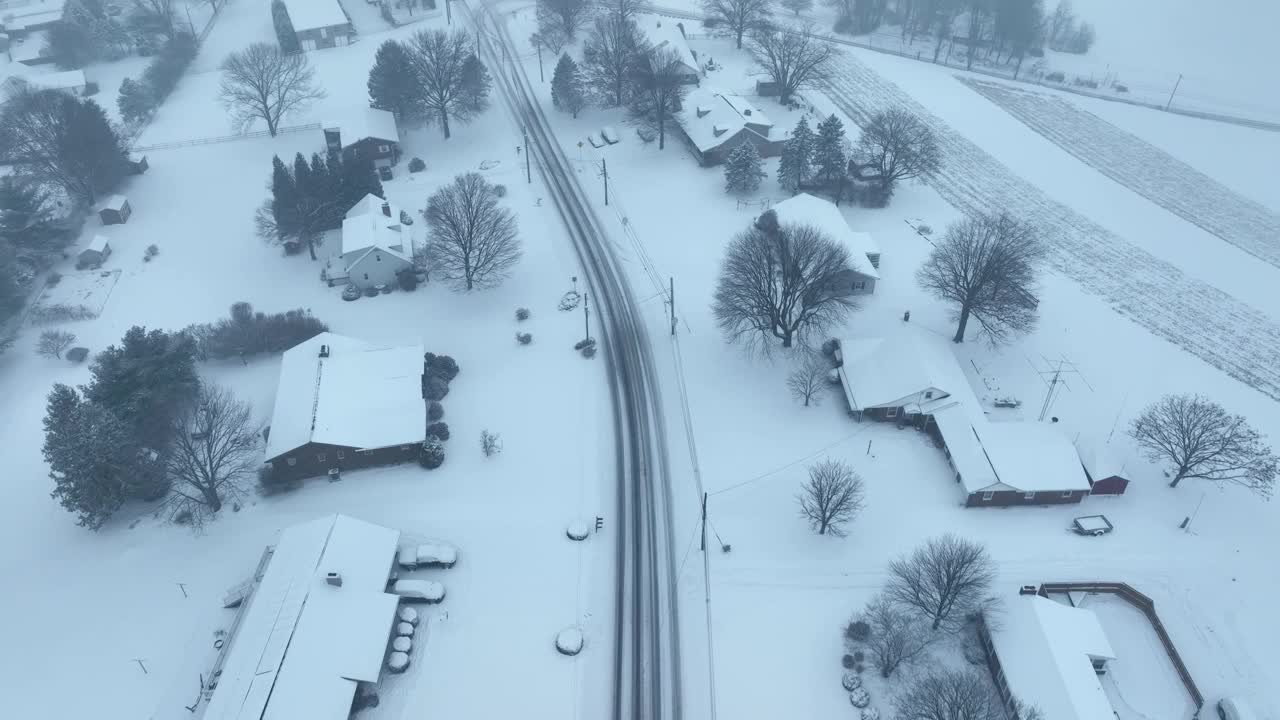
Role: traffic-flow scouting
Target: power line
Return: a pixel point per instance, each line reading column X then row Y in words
column 793, row 463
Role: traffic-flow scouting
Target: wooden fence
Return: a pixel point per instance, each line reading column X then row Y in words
column 1148, row 608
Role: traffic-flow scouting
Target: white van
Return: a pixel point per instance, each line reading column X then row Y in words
column 1234, row 709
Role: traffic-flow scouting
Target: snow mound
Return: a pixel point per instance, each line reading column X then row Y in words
column 402, row 644
column 409, row 615
column 860, row 698
column 578, row 530
column 398, row 662
column 569, row 641
column 852, row 681
column 870, row 713
column 404, row 629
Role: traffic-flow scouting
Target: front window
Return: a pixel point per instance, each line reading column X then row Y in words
column 988, row 496
column 320, row 457
column 1066, row 494
column 384, row 148
column 292, row 462
column 341, row 455
column 891, row 412
column 1029, row 496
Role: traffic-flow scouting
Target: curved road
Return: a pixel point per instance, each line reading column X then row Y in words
column 647, row 670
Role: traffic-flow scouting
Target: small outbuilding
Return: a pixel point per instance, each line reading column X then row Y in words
column 138, row 164
column 94, row 255
column 115, row 210
column 1106, row 472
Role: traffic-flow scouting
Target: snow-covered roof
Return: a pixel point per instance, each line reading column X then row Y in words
column 65, row 80
column 29, row 48
column 968, row 455
column 1099, row 459
column 302, row 644
column 98, row 243
column 364, row 232
column 313, row 14
column 1032, row 457
column 885, row 370
column 1045, row 649
column 115, row 202
column 825, row 216
column 710, row 118
column 372, row 205
column 362, row 395
column 365, row 122
column 665, row 33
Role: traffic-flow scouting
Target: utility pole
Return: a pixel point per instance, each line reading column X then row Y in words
column 448, row 16
column 704, row 522
column 1175, row 90
column 586, row 318
column 144, row 667
column 673, row 332
column 604, row 173
column 706, row 578
column 528, row 169
column 541, row 77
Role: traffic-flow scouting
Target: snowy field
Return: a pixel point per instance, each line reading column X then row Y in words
column 156, row 589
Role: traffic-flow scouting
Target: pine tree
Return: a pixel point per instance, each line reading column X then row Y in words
column 27, row 224
column 359, row 177
column 63, row 140
column 145, row 382
column 830, row 163
column 742, row 171
column 392, row 84
column 135, row 101
column 796, row 164
column 11, row 293
column 302, row 180
column 88, row 451
column 284, row 199
column 284, row 28
column 567, row 88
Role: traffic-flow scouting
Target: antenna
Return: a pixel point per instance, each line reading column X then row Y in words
column 1054, row 375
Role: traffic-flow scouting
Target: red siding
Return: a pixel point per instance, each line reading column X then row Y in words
column 1114, row 485
column 1006, row 498
column 308, row 462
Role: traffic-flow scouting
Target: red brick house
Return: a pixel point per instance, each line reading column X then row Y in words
column 714, row 123
column 342, row 403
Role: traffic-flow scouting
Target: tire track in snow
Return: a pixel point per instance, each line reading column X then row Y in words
column 1206, row 322
column 1143, row 168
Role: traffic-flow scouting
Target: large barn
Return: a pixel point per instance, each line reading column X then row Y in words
column 344, row 403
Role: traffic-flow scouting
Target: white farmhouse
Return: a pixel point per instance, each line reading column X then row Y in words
column 376, row 247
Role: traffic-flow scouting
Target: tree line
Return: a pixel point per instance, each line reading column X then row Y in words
column 311, row 198
column 96, row 30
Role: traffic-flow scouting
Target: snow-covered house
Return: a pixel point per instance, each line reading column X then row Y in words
column 31, row 50
column 364, row 134
column 713, row 123
column 314, row 628
column 1102, row 465
column 319, row 23
column 95, row 254
column 71, row 82
column 115, row 210
column 909, row 379
column 376, row 248
column 343, row 403
column 667, row 35
column 1049, row 655
column 825, row 216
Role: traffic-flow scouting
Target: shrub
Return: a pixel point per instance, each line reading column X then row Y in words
column 351, row 292
column 371, row 292
column 583, row 344
column 59, row 312
column 522, row 314
column 500, row 190
column 847, row 661
column 436, row 388
column 183, row 517
column 858, row 655
column 417, row 165
column 445, row 367
column 91, row 88
column 247, row 332
column 858, row 668
column 435, row 411
column 860, row 698
column 490, row 443
column 857, row 631
column 589, row 351
column 152, row 251
column 570, row 300
column 829, row 350
column 439, row 429
column 870, row 713
column 54, row 278
column 408, row 280
column 524, row 338
column 1120, row 88
column 364, row 700
column 851, row 681
column 270, row 482
column 1056, row 77
column 432, row 455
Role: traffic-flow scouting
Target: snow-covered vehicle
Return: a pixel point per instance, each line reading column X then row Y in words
column 1092, row 525
column 443, row 555
column 428, row 591
column 1230, row 708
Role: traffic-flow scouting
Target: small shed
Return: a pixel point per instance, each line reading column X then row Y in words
column 1106, row 472
column 94, row 255
column 115, row 210
column 137, row 163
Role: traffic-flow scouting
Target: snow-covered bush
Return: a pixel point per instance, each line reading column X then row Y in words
column 860, row 698
column 404, row 629
column 408, row 615
column 829, row 347
column 583, row 344
column 435, row 411
column 870, row 713
column 490, row 443
column 524, row 338
column 578, row 530
column 589, row 351
column 408, row 280
column 442, row 366
column 398, row 662
column 522, row 314
column 439, row 429
column 847, row 662
column 851, row 681
column 857, row 631
column 402, row 644
column 436, row 387
column 569, row 641
column 417, row 165
column 271, row 482
column 570, row 300
column 432, row 455
column 500, row 190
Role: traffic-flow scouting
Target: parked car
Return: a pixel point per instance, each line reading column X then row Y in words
column 1230, row 708
column 428, row 591
column 428, row 555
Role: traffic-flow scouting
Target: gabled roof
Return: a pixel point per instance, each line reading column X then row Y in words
column 114, row 202
column 366, row 122
column 884, row 370
column 1031, row 457
column 665, row 33
column 98, row 243
column 303, row 644
column 363, row 232
column 372, row 205
column 1099, row 459
column 65, row 80
column 825, row 216
column 362, row 396
column 710, row 118
column 315, row 14
column 1044, row 649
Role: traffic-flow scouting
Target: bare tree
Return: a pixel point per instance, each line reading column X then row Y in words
column 53, row 342
column 454, row 83
column 1200, row 440
column 784, row 282
column 947, row 694
column 473, row 241
column 945, row 580
column 262, row 82
column 609, row 56
column 987, row 265
column 214, row 448
column 898, row 636
column 657, row 89
column 832, row 497
column 624, row 9
column 310, row 217
column 1060, row 22
column 792, row 59
column 797, row 6
column 739, row 16
column 155, row 16
column 895, row 146
column 563, row 16
column 806, row 380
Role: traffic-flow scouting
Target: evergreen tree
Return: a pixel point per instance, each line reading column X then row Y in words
column 742, row 171
column 11, row 292
column 302, row 180
column 88, row 451
column 567, row 89
column 135, row 101
column 392, row 84
column 27, row 224
column 284, row 28
column 284, row 199
column 830, row 161
column 145, row 382
column 327, row 192
column 62, row 140
column 796, row 164
column 359, row 177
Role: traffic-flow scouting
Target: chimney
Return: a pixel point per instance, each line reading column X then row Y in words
column 333, row 579
column 386, row 208
column 324, row 351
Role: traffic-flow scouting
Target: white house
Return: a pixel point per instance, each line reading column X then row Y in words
column 666, row 34
column 1048, row 654
column 825, row 216
column 314, row 628
column 714, row 123
column 375, row 249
